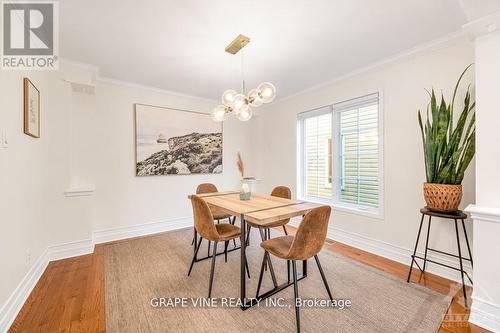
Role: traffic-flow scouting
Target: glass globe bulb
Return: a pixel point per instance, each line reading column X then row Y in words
column 240, row 101
column 219, row 113
column 245, row 113
column 254, row 97
column 228, row 97
column 267, row 92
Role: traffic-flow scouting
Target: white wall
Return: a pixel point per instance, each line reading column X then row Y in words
column 402, row 85
column 87, row 141
column 95, row 148
column 486, row 305
column 24, row 169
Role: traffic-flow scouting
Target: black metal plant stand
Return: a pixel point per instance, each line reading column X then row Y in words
column 458, row 215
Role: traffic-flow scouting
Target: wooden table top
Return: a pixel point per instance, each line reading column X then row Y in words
column 260, row 209
column 231, row 203
column 267, row 216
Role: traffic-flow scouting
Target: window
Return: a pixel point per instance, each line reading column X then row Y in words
column 340, row 154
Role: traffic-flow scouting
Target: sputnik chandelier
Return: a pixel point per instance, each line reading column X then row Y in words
column 241, row 104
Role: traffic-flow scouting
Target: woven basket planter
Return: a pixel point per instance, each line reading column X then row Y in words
column 442, row 197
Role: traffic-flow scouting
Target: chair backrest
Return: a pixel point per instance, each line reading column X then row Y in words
column 282, row 192
column 206, row 188
column 203, row 219
column 311, row 234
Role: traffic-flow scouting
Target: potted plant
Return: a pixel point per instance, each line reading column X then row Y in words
column 448, row 149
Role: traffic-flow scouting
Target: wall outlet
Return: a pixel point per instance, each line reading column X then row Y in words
column 4, row 140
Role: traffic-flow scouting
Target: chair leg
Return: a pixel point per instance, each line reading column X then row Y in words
column 226, row 243
column 208, row 251
column 288, row 271
column 271, row 270
column 323, row 277
column 194, row 240
column 233, row 221
column 248, row 234
column 261, row 274
column 194, row 256
column 284, row 229
column 212, row 270
column 296, row 295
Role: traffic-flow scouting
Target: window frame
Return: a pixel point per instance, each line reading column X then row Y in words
column 373, row 212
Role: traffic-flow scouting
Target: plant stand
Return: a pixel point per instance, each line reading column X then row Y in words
column 458, row 215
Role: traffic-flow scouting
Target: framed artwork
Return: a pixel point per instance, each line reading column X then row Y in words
column 176, row 142
column 31, row 109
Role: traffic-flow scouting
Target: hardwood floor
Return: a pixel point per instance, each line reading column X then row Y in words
column 70, row 294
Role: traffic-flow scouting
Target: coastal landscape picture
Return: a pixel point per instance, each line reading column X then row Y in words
column 176, row 142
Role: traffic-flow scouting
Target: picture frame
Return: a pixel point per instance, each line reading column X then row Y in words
column 31, row 109
column 170, row 141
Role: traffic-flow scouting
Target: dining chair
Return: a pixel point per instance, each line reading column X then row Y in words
column 265, row 232
column 280, row 192
column 207, row 229
column 307, row 242
column 216, row 212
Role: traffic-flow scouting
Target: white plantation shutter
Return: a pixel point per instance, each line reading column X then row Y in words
column 359, row 150
column 317, row 151
column 340, row 153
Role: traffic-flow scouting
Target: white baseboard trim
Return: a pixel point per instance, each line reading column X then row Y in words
column 109, row 235
column 13, row 305
column 397, row 253
column 485, row 314
column 72, row 249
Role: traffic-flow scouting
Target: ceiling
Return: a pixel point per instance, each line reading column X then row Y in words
column 296, row 44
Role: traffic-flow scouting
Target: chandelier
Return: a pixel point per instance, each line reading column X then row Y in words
column 241, row 104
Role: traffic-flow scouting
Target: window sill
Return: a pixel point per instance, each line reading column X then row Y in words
column 372, row 213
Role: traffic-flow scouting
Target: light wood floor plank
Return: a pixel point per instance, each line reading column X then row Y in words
column 70, row 294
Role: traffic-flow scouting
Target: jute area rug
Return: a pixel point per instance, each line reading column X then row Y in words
column 145, row 277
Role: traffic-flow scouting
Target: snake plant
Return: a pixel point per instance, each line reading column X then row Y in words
column 448, row 147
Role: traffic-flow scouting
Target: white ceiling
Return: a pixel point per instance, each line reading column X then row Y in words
column 179, row 45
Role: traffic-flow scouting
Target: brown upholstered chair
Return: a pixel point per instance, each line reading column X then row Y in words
column 216, row 212
column 307, row 242
column 207, row 229
column 281, row 192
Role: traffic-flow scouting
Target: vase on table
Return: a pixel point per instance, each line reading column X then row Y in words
column 245, row 192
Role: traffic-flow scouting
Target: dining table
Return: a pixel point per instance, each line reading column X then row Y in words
column 260, row 210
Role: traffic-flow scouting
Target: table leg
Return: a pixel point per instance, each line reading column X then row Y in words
column 243, row 262
column 415, row 250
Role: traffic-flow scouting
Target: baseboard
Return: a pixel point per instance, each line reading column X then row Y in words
column 109, row 235
column 485, row 314
column 396, row 252
column 13, row 305
column 72, row 249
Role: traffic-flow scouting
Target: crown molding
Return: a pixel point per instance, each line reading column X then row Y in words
column 426, row 47
column 483, row 25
